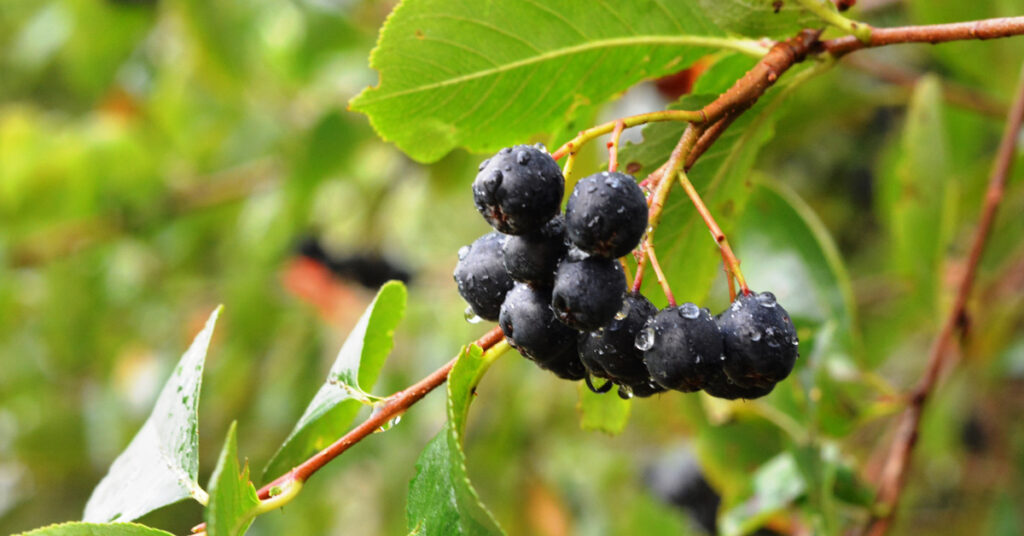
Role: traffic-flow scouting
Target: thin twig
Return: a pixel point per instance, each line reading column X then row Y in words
column 894, row 473
column 662, row 280
column 613, row 146
column 729, row 260
column 934, row 33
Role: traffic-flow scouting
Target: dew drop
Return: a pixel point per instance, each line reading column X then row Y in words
column 463, row 251
column 522, row 158
column 689, row 310
column 471, row 316
column 698, row 359
column 541, row 146
column 625, row 392
column 756, row 336
column 621, row 209
column 766, row 299
column 722, row 357
column 624, row 312
column 645, row 339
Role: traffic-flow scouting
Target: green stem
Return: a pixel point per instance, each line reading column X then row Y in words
column 825, row 11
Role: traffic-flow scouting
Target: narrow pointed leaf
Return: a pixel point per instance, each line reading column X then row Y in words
column 233, row 499
column 161, row 464
column 96, row 529
column 354, row 372
column 482, row 75
column 441, row 498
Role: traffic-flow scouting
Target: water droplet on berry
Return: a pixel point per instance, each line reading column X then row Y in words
column 625, row 392
column 645, row 339
column 624, row 312
column 689, row 310
column 698, row 359
column 756, row 336
column 463, row 251
column 541, row 146
column 522, row 158
column 722, row 357
column 621, row 209
column 471, row 316
column 766, row 299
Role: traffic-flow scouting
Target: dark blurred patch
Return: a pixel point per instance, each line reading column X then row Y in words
column 366, row 268
column 678, row 84
column 676, row 478
column 973, row 435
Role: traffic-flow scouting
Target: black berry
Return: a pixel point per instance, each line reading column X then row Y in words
column 481, row 276
column 532, row 258
column 640, row 389
column 760, row 341
column 530, row 326
column 682, row 347
column 720, row 386
column 519, row 189
column 606, row 214
column 611, row 352
column 588, row 291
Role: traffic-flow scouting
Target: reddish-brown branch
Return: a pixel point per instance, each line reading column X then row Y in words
column 729, row 260
column 894, row 472
column 393, row 406
column 762, row 76
column 935, row 33
column 656, row 266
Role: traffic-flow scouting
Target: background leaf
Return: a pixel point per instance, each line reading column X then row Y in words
column 486, row 75
column 96, row 529
column 233, row 499
column 916, row 194
column 775, row 484
column 759, row 18
column 354, row 371
column 441, row 498
column 161, row 464
column 605, row 412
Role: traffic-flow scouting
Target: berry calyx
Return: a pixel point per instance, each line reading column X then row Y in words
column 606, row 214
column 519, row 189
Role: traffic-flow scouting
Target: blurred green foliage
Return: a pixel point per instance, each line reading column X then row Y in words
column 158, row 158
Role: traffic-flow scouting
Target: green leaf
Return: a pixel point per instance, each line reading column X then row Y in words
column 759, row 18
column 915, row 193
column 483, row 76
column 354, row 372
column 161, row 464
column 776, row 484
column 604, row 412
column 96, row 529
column 723, row 74
column 788, row 251
column 441, row 498
column 233, row 499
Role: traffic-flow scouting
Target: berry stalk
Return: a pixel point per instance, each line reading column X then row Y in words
column 732, row 264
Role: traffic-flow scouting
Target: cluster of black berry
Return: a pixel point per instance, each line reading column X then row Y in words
column 557, row 290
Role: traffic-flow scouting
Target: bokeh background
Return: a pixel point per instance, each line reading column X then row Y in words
column 158, row 158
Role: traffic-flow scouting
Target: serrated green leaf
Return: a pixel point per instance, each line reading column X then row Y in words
column 723, row 74
column 354, row 372
column 606, row 412
column 96, row 529
column 776, row 484
column 914, row 194
column 441, row 498
column 759, row 18
column 161, row 464
column 233, row 499
column 483, row 75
